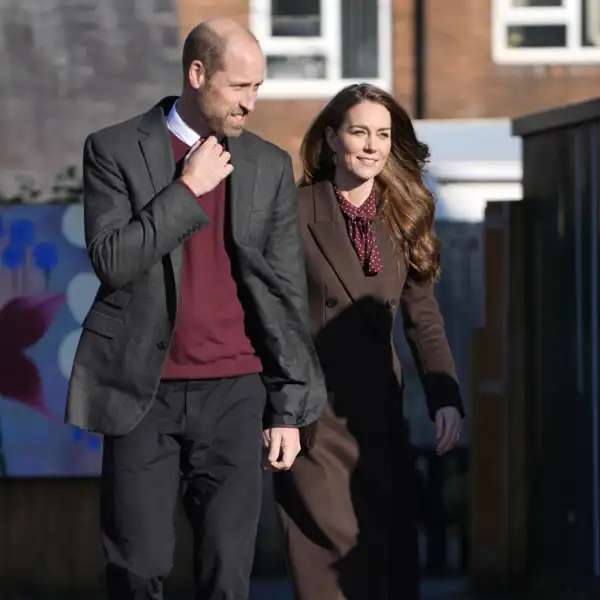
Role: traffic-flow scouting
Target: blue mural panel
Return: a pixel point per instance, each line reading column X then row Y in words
column 46, row 289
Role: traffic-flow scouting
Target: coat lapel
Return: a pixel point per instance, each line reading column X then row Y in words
column 241, row 188
column 156, row 148
column 331, row 235
column 390, row 279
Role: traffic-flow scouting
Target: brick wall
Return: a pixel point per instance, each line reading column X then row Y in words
column 280, row 121
column 284, row 122
column 463, row 81
column 68, row 68
column 71, row 67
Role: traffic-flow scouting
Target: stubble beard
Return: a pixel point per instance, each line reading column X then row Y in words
column 213, row 117
column 231, row 131
column 219, row 123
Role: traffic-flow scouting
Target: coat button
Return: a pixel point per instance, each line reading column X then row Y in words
column 391, row 303
column 331, row 302
column 162, row 345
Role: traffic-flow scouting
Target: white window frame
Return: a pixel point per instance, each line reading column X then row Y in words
column 328, row 44
column 504, row 14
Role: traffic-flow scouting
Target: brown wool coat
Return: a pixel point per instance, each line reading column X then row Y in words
column 347, row 504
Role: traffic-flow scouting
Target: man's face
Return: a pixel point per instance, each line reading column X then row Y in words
column 229, row 97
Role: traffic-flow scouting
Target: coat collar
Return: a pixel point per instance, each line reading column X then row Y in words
column 331, row 235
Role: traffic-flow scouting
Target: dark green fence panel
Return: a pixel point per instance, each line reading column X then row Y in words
column 561, row 153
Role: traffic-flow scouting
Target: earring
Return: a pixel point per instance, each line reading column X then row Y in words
column 334, row 157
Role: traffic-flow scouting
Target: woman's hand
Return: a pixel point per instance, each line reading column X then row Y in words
column 448, row 425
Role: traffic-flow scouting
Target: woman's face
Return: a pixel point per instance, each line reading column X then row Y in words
column 363, row 142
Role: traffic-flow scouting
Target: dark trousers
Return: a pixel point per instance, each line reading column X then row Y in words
column 203, row 438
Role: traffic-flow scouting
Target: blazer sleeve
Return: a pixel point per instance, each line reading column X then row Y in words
column 122, row 245
column 426, row 336
column 299, row 397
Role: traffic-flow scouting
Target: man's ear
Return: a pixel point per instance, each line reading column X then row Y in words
column 196, row 75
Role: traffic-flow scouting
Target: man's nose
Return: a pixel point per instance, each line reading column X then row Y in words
column 249, row 101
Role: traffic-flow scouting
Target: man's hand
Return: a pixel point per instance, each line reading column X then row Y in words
column 283, row 444
column 205, row 166
column 448, row 424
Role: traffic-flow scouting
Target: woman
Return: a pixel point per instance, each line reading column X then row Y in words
column 367, row 224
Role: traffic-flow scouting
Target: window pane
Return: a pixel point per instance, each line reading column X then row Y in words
column 296, row 67
column 295, row 18
column 360, row 55
column 537, row 2
column 537, row 36
column 590, row 23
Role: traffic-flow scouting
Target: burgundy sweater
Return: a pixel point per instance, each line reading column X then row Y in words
column 210, row 340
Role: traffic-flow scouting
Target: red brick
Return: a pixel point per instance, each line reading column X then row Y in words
column 462, row 81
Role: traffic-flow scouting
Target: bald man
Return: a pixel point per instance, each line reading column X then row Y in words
column 196, row 351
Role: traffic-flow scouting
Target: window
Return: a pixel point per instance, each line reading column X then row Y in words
column 314, row 48
column 546, row 31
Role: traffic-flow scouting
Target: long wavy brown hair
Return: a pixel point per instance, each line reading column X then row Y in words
column 406, row 205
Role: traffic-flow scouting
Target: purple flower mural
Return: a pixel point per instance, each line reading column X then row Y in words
column 23, row 322
column 46, row 288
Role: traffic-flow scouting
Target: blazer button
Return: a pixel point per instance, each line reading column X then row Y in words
column 331, row 302
column 391, row 303
column 162, row 345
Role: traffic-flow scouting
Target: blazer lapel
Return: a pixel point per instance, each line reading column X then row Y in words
column 241, row 188
column 156, row 148
column 155, row 144
column 331, row 234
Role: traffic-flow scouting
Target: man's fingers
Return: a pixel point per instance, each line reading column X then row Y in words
column 191, row 152
column 266, row 438
column 210, row 142
column 276, row 466
column 274, row 448
column 289, row 456
column 284, row 446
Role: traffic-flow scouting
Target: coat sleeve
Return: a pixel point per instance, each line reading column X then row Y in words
column 122, row 245
column 426, row 336
column 297, row 397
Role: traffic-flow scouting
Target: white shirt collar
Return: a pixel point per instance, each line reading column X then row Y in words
column 179, row 128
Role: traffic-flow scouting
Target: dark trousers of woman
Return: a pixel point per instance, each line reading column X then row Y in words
column 201, row 439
